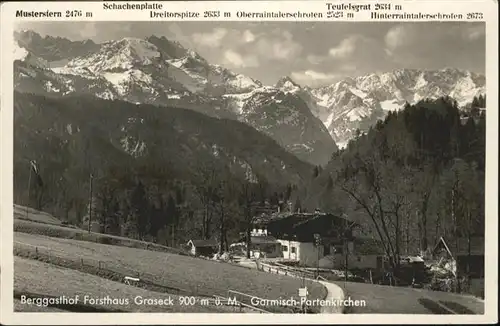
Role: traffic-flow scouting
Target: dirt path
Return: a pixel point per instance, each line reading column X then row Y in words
column 335, row 294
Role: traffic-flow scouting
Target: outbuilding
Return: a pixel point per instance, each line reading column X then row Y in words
column 203, row 247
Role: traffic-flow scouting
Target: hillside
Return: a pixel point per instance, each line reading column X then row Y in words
column 176, row 274
column 61, row 281
column 168, row 150
column 415, row 176
column 30, row 214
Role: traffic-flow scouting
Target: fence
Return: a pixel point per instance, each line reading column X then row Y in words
column 70, row 232
column 286, row 270
column 305, row 275
column 58, row 257
column 113, row 270
column 117, row 271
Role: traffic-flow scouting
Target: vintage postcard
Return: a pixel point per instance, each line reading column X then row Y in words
column 257, row 162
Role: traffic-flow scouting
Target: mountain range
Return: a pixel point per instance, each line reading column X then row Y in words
column 311, row 123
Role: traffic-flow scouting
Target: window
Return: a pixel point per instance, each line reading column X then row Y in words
column 339, row 249
column 285, row 248
column 293, row 250
column 270, row 249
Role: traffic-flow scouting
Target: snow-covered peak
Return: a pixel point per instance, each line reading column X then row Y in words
column 191, row 61
column 287, row 85
column 87, row 41
column 169, row 48
column 27, row 35
column 242, row 82
column 142, row 48
column 19, row 52
column 119, row 55
column 452, row 71
column 360, row 101
column 405, row 85
column 194, row 55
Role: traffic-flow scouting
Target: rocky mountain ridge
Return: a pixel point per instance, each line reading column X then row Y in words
column 308, row 122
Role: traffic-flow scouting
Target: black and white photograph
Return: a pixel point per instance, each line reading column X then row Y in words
column 249, row 167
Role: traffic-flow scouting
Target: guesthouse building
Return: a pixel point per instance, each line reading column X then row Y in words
column 297, row 233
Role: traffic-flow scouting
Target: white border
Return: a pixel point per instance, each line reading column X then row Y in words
column 488, row 7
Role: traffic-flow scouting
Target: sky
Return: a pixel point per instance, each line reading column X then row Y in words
column 312, row 54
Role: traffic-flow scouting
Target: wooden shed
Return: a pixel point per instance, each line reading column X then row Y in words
column 203, row 247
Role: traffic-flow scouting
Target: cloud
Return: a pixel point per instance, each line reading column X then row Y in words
column 315, row 59
column 279, row 46
column 237, row 60
column 359, row 53
column 248, row 36
column 287, row 35
column 219, row 37
column 249, row 47
column 357, row 46
column 413, row 34
column 349, row 67
column 474, row 32
column 438, row 45
column 212, row 39
column 399, row 36
column 344, row 49
column 314, row 78
column 89, row 30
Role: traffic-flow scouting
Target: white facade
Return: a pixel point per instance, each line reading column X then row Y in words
column 303, row 252
column 337, row 261
column 265, row 250
column 307, row 255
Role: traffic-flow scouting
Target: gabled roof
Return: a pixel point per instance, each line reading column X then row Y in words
column 442, row 243
column 263, row 239
column 265, row 219
column 298, row 220
column 368, row 246
column 204, row 243
column 260, row 239
column 303, row 226
column 318, row 216
column 461, row 246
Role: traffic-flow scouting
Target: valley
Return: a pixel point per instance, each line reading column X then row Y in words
column 138, row 153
